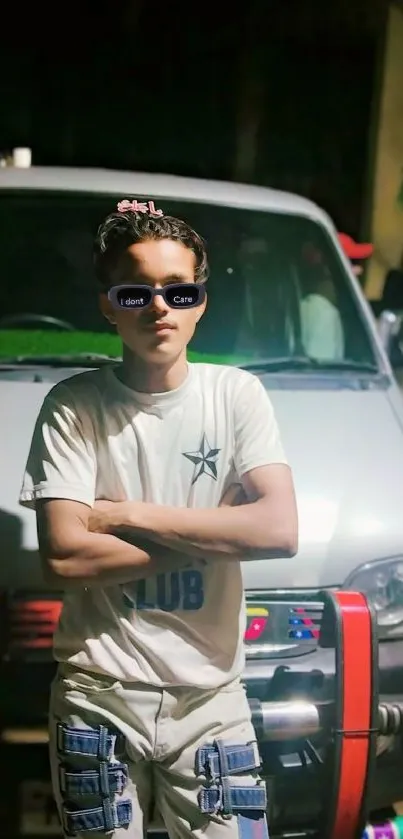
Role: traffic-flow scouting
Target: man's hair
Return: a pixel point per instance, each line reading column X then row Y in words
column 121, row 230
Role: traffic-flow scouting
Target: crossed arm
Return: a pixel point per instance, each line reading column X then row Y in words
column 81, row 546
column 265, row 526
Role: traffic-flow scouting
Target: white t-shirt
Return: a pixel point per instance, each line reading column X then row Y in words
column 96, row 438
column 322, row 330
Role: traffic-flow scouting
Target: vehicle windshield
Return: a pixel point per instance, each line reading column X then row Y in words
column 277, row 290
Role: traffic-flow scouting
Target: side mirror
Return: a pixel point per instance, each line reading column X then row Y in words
column 389, row 330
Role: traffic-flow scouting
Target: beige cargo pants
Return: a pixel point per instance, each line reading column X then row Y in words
column 119, row 754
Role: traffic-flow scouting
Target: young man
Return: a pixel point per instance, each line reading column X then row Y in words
column 132, row 472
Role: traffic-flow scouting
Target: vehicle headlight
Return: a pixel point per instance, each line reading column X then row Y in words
column 382, row 583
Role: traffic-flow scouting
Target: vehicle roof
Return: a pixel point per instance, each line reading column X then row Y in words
column 106, row 181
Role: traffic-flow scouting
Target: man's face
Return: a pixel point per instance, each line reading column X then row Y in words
column 158, row 333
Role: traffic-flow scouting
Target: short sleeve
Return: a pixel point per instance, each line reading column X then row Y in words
column 257, row 437
column 61, row 461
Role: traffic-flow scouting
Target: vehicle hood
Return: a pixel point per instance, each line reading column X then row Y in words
column 345, row 448
column 346, row 451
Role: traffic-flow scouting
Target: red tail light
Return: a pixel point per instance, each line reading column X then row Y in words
column 33, row 622
column 30, row 622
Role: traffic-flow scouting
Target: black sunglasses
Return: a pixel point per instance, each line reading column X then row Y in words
column 176, row 296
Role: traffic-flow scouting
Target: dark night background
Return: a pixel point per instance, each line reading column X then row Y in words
column 275, row 93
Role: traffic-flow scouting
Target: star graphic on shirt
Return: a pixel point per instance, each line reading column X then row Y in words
column 204, row 460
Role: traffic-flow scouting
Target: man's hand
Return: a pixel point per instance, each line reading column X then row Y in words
column 107, row 516
column 117, row 517
column 97, row 516
column 103, row 506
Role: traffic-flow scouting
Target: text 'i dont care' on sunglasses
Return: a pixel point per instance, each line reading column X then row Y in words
column 176, row 295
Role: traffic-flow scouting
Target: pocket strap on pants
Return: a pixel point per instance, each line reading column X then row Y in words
column 106, row 818
column 108, row 779
column 218, row 796
column 93, row 742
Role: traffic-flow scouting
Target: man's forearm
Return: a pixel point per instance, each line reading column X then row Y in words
column 105, row 560
column 246, row 531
